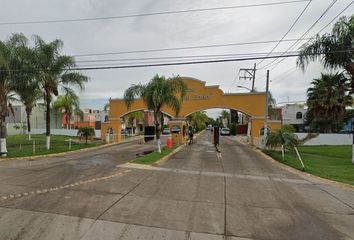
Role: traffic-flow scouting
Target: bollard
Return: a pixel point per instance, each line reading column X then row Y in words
column 69, row 143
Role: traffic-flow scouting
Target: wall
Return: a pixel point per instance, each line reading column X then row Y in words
column 328, row 139
column 65, row 132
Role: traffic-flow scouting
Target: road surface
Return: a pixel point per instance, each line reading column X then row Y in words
column 198, row 194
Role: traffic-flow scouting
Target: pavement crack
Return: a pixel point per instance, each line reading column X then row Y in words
column 119, row 199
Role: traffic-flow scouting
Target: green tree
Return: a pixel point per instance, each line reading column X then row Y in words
column 333, row 50
column 26, row 88
column 326, row 100
column 135, row 117
column 199, row 120
column 156, row 94
column 67, row 104
column 53, row 73
column 225, row 114
column 9, row 61
column 86, row 132
column 282, row 138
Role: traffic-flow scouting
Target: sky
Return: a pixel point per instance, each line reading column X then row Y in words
column 174, row 30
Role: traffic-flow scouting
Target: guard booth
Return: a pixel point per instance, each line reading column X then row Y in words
column 178, row 131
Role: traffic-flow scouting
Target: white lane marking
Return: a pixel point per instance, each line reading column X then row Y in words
column 56, row 188
column 217, row 174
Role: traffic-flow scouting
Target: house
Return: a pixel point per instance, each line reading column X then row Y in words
column 294, row 114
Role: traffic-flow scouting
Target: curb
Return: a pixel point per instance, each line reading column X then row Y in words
column 168, row 156
column 31, row 158
column 307, row 176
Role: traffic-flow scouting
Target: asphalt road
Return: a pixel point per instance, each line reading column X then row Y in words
column 198, row 194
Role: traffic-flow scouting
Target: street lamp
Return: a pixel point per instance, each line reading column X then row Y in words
column 245, row 88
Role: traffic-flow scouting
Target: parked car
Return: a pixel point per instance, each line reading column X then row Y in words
column 166, row 131
column 225, row 132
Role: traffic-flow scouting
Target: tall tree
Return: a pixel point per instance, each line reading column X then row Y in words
column 29, row 94
column 225, row 114
column 158, row 93
column 9, row 61
column 334, row 50
column 53, row 73
column 67, row 104
column 199, row 120
column 26, row 88
column 326, row 100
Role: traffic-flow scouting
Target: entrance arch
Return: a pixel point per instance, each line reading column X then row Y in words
column 200, row 97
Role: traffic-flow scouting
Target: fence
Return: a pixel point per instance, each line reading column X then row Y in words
column 327, row 139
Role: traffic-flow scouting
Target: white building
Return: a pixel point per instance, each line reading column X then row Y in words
column 294, row 114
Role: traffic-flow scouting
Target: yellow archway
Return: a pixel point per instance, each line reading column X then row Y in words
column 200, row 97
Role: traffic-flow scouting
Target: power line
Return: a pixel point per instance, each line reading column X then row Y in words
column 183, row 63
column 186, row 48
column 324, row 27
column 305, row 33
column 291, row 27
column 177, row 57
column 150, row 14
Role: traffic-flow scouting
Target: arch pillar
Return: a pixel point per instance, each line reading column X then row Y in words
column 114, row 124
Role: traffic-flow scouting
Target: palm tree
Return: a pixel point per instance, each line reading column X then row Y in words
column 334, row 50
column 54, row 72
column 68, row 104
column 225, row 114
column 86, row 132
column 158, row 93
column 29, row 94
column 284, row 137
column 8, row 61
column 26, row 87
column 134, row 118
column 326, row 101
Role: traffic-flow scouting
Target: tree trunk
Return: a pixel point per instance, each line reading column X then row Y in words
column 28, row 115
column 158, row 135
column 47, row 132
column 86, row 139
column 350, row 70
column 67, row 119
column 3, row 133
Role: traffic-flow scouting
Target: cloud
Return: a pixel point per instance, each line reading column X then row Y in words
column 175, row 30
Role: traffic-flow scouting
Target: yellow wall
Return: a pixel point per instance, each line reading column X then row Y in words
column 200, row 97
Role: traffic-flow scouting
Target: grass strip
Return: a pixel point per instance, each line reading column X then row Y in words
column 153, row 157
column 330, row 162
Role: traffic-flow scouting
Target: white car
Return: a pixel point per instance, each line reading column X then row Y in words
column 225, row 132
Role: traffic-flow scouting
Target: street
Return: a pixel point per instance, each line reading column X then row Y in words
column 197, row 194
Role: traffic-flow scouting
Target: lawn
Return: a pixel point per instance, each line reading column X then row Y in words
column 153, row 157
column 331, row 162
column 19, row 146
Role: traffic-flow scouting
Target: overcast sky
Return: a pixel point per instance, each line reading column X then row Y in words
column 175, row 30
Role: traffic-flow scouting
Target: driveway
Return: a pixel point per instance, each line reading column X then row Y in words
column 198, row 194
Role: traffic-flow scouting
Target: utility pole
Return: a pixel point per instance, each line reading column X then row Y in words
column 265, row 131
column 249, row 74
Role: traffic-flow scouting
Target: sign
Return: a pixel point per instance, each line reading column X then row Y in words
column 175, row 129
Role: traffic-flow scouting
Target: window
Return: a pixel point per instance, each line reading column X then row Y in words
column 299, row 115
